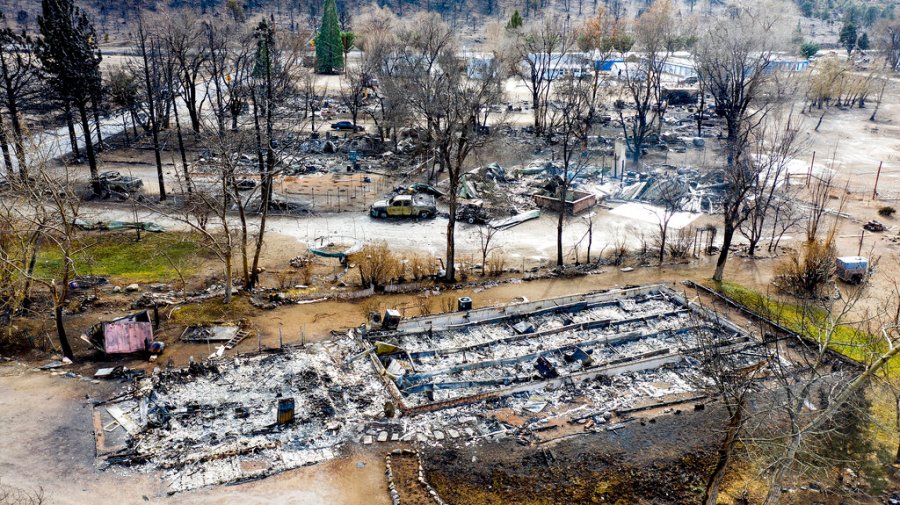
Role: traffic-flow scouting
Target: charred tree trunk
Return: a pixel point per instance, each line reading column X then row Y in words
column 735, row 420
column 727, row 237
column 134, row 129
column 190, row 101
column 453, row 175
column 267, row 187
column 154, row 121
column 70, row 123
column 95, row 110
column 216, row 75
column 260, row 159
column 184, row 163
column 61, row 331
column 32, row 263
column 89, row 146
column 4, row 146
column 13, row 107
column 700, row 115
column 563, row 188
column 228, row 278
column 125, row 128
column 450, row 274
column 897, row 403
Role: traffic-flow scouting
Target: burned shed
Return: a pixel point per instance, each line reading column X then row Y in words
column 124, row 335
column 576, row 202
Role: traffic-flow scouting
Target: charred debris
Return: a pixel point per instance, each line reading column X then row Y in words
column 526, row 370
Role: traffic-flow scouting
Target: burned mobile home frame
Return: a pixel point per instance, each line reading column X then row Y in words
column 604, row 355
column 434, row 362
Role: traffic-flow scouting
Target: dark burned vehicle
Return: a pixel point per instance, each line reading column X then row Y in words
column 114, row 184
column 472, row 212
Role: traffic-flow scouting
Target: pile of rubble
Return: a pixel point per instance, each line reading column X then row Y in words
column 218, row 422
column 687, row 188
column 514, row 190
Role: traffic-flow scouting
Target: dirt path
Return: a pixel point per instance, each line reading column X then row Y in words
column 405, row 468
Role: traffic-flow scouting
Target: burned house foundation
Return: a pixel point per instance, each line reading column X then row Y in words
column 454, row 378
column 436, row 362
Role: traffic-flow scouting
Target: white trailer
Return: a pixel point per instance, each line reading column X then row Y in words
column 852, row 269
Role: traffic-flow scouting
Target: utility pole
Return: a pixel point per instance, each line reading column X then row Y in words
column 809, row 172
column 877, row 176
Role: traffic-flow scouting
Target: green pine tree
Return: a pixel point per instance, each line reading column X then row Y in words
column 863, row 42
column 809, row 49
column 848, row 37
column 329, row 49
column 515, row 22
column 71, row 61
column 265, row 39
column 348, row 42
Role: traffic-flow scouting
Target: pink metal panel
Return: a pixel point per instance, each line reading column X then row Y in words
column 126, row 336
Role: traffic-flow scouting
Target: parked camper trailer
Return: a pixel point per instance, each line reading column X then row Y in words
column 852, row 269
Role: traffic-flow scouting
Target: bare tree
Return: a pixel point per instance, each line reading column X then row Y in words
column 733, row 59
column 123, row 90
column 278, row 57
column 354, row 90
column 887, row 38
column 791, row 425
column 569, row 119
column 670, row 199
column 486, row 243
column 539, row 52
column 216, row 65
column 186, row 42
column 13, row 496
column 820, row 196
column 786, row 216
column 237, row 68
column 150, row 66
column 733, row 381
column 310, row 90
column 376, row 30
column 46, row 208
column 889, row 305
column 207, row 209
column 601, row 35
column 655, row 38
column 442, row 94
column 774, row 146
column 19, row 87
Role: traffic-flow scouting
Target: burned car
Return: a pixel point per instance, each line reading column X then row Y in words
column 113, row 182
column 418, row 205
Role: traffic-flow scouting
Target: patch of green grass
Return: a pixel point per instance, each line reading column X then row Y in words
column 808, row 322
column 213, row 311
column 849, row 341
column 157, row 257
